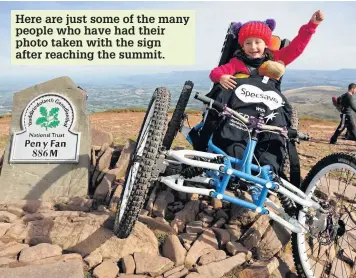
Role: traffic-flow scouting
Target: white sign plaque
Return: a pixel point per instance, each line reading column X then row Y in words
column 46, row 135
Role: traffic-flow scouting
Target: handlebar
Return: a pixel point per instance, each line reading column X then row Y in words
column 221, row 108
column 303, row 136
column 207, row 100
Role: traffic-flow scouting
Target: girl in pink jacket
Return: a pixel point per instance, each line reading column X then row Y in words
column 255, row 37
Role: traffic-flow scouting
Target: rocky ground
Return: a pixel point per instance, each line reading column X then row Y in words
column 177, row 235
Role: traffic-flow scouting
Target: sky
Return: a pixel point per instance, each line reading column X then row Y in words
column 331, row 48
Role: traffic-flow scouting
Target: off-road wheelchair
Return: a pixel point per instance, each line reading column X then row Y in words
column 315, row 211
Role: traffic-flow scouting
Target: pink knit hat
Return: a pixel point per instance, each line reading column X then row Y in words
column 257, row 29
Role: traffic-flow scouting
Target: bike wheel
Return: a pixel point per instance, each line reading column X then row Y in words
column 329, row 250
column 139, row 175
column 294, row 125
column 178, row 115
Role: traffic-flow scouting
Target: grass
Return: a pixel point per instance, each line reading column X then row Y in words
column 161, row 236
column 188, row 111
column 5, row 116
column 88, row 275
column 4, row 141
column 119, row 141
column 303, row 117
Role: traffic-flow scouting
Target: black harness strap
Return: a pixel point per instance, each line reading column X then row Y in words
column 294, row 164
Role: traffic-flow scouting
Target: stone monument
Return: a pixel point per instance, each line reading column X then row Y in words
column 48, row 155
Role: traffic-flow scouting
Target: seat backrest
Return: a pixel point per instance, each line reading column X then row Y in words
column 230, row 45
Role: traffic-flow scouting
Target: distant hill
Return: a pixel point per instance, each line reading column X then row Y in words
column 309, row 90
column 315, row 101
column 291, row 80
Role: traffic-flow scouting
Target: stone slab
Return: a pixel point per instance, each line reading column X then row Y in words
column 67, row 269
column 48, row 181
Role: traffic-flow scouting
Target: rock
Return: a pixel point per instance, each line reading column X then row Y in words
column 262, row 269
column 29, row 206
column 87, row 234
column 125, row 157
column 186, row 215
column 128, row 264
column 205, row 244
column 32, row 217
column 144, row 212
column 109, row 246
column 194, row 227
column 274, row 239
column 104, row 160
column 79, row 204
column 173, row 250
column 182, row 196
column 187, row 238
column 220, row 213
column 152, row 265
column 175, row 207
column 15, row 210
column 93, row 260
column 287, row 262
column 7, row 217
column 96, row 178
column 35, row 240
column 195, row 275
column 217, row 204
column 19, row 231
column 193, row 196
column 156, row 224
column 102, row 149
column 68, row 269
column 340, row 269
column 187, row 246
column 50, row 260
column 50, row 181
column 5, row 261
column 243, row 215
column 116, row 196
column 253, row 235
column 209, row 210
column 100, row 137
column 234, row 231
column 4, row 227
column 179, row 274
column 206, row 219
column 173, row 271
column 93, row 161
column 12, row 249
column 219, row 223
column 277, row 274
column 107, row 269
column 222, row 236
column 211, row 257
column 219, row 269
column 133, row 276
column 163, row 199
column 104, row 187
column 151, row 199
column 235, row 248
column 40, row 251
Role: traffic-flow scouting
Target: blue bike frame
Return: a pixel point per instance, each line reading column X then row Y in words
column 243, row 168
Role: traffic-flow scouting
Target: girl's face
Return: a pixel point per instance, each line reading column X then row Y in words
column 254, row 47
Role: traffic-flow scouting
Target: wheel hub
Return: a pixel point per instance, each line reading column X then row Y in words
column 327, row 236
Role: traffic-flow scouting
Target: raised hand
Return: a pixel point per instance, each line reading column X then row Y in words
column 317, row 17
